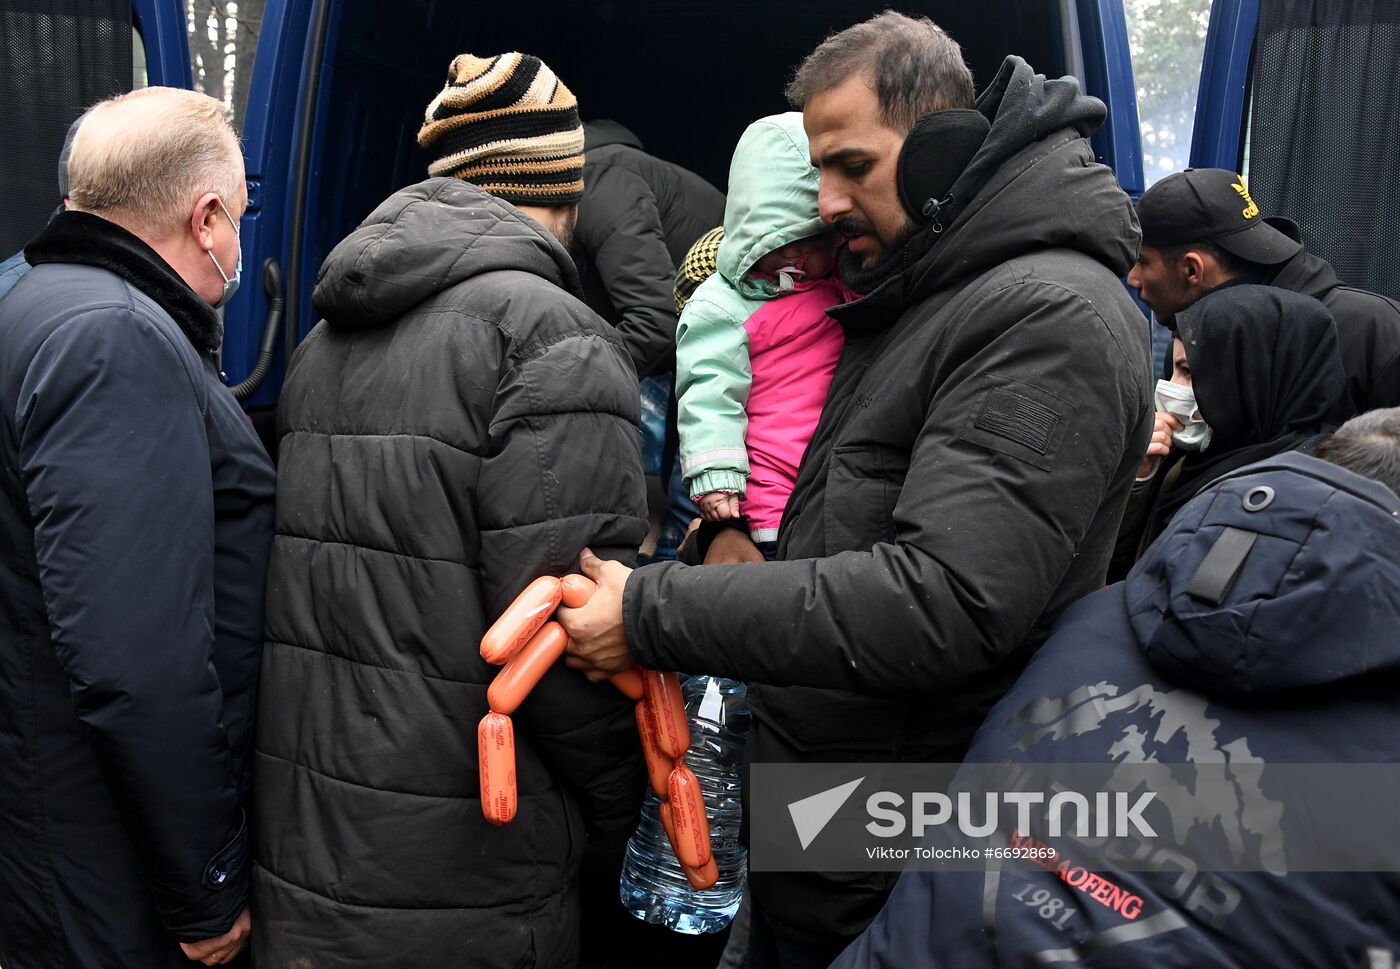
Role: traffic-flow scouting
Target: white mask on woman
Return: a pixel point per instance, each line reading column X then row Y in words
column 1180, row 402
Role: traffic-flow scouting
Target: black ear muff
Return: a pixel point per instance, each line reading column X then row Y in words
column 936, row 151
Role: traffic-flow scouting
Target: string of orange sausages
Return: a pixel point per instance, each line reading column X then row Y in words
column 525, row 642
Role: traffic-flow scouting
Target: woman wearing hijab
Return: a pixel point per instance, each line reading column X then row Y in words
column 1255, row 372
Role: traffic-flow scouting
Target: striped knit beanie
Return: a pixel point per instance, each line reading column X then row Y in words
column 507, row 124
column 701, row 262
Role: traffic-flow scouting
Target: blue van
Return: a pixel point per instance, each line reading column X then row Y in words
column 329, row 95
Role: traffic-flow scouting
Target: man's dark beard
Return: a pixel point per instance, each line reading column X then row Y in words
column 891, row 255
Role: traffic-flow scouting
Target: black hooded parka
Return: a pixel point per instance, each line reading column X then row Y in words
column 964, row 483
column 457, row 425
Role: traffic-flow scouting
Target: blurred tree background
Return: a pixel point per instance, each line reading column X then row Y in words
column 223, row 37
column 1167, row 39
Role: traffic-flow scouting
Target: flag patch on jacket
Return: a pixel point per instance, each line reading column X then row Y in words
column 1018, row 418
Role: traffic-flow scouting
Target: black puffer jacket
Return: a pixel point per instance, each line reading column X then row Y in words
column 963, row 486
column 135, row 521
column 638, row 218
column 1368, row 331
column 456, row 426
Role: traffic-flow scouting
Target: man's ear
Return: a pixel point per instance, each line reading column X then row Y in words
column 205, row 214
column 1194, row 268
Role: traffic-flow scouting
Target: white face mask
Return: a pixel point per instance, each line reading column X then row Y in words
column 1180, row 402
column 230, row 282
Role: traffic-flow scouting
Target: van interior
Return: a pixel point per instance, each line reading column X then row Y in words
column 686, row 77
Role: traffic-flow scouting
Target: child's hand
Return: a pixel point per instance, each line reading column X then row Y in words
column 719, row 505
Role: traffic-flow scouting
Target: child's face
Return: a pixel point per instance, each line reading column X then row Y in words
column 815, row 256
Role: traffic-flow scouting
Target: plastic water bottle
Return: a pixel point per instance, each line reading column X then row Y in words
column 653, row 887
column 656, row 392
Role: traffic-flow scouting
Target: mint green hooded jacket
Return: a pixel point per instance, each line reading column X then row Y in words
column 733, row 320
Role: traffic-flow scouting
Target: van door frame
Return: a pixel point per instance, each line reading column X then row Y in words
column 161, row 24
column 274, row 146
column 1108, row 75
column 1222, row 101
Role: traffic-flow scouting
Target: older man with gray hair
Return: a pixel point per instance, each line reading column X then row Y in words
column 136, row 515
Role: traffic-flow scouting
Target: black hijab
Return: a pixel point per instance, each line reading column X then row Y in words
column 1266, row 370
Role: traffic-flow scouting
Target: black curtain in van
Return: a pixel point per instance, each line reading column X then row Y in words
column 1323, row 129
column 56, row 58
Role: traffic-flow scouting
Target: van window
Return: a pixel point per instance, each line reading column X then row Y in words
column 223, row 36
column 1167, row 39
column 139, row 78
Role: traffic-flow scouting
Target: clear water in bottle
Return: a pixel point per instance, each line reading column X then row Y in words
column 653, row 887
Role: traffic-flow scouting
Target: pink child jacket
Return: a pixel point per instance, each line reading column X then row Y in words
column 793, row 348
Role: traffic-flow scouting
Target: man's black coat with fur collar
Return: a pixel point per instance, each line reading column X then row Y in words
column 135, row 523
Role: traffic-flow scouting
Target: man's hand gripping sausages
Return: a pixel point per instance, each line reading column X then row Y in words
column 597, row 643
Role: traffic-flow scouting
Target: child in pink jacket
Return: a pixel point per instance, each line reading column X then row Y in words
column 755, row 350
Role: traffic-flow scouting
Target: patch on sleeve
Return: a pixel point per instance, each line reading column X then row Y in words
column 1019, row 420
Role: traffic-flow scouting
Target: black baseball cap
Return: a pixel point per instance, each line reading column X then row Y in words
column 1211, row 205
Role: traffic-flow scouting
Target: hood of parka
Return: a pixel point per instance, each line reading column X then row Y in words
column 1304, row 272
column 428, row 238
column 772, row 200
column 1307, row 274
column 604, row 132
column 1315, row 601
column 1032, row 186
